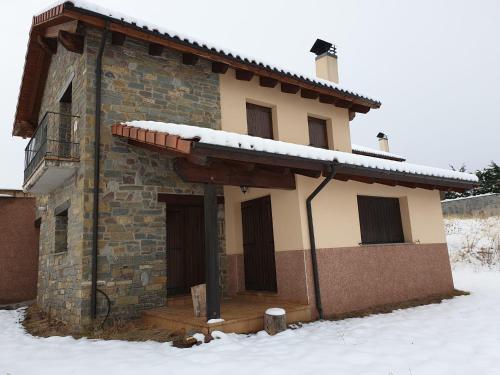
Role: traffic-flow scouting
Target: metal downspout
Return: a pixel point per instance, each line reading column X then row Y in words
column 312, row 241
column 97, row 157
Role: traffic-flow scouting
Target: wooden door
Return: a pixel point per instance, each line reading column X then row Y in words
column 258, row 245
column 185, row 247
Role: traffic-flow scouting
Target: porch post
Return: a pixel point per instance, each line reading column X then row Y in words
column 211, row 252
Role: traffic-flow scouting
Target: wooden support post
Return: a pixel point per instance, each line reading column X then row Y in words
column 211, row 252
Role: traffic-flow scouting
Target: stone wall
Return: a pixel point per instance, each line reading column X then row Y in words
column 60, row 273
column 481, row 205
column 132, row 223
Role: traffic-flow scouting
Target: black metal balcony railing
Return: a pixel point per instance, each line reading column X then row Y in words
column 52, row 140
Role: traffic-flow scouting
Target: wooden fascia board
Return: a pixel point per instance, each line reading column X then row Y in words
column 420, row 181
column 257, row 157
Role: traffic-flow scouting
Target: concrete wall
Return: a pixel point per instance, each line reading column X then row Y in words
column 361, row 277
column 482, row 205
column 18, row 249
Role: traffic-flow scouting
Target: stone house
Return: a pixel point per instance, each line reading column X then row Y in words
column 212, row 168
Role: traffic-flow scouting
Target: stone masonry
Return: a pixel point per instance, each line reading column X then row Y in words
column 132, row 223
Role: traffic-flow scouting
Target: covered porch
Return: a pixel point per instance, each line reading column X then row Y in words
column 215, row 159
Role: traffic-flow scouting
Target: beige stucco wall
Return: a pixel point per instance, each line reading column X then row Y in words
column 287, row 220
column 335, row 214
column 327, row 68
column 335, row 208
column 290, row 112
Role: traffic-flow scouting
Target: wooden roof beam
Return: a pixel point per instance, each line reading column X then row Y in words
column 341, row 103
column 268, row 82
column 49, row 45
column 222, row 173
column 189, row 59
column 219, row 68
column 360, row 108
column 308, row 94
column 243, row 75
column 72, row 42
column 289, row 88
column 155, row 49
column 327, row 99
column 53, row 31
column 117, row 38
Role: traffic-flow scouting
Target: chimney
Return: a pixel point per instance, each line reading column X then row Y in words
column 326, row 60
column 383, row 142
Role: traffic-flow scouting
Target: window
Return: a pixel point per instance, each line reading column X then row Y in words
column 380, row 220
column 61, row 228
column 259, row 121
column 65, row 108
column 317, row 132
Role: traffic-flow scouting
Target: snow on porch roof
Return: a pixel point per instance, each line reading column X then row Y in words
column 374, row 152
column 197, row 42
column 247, row 142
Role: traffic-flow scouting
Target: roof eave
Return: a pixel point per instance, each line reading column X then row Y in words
column 25, row 118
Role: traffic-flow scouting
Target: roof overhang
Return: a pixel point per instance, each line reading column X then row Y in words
column 203, row 162
column 40, row 49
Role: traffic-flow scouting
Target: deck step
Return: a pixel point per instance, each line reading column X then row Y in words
column 240, row 317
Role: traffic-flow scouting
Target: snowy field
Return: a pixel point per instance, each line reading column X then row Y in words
column 458, row 336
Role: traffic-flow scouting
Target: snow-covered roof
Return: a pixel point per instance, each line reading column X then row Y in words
column 247, row 142
column 374, row 151
column 197, row 42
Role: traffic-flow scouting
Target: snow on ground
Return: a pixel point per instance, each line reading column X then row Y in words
column 458, row 336
column 474, row 241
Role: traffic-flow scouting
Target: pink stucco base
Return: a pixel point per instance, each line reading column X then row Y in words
column 357, row 278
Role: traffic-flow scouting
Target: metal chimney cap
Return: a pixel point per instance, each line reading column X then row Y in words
column 381, row 135
column 321, row 46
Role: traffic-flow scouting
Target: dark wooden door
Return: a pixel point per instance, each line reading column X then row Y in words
column 258, row 245
column 380, row 220
column 185, row 247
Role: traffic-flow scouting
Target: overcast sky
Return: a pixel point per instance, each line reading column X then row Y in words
column 434, row 65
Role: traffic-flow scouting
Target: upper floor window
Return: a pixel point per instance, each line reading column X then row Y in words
column 259, row 121
column 317, row 132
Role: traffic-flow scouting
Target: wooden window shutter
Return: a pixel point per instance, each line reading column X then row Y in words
column 317, row 132
column 380, row 220
column 259, row 121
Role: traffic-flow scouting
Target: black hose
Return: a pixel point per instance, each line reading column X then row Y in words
column 312, row 240
column 97, row 154
column 109, row 307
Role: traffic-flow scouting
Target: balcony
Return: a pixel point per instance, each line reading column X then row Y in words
column 51, row 156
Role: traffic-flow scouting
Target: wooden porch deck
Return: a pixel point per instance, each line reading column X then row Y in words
column 241, row 314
